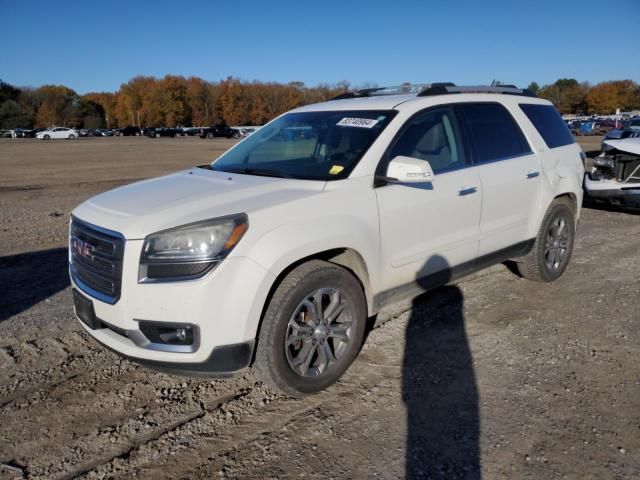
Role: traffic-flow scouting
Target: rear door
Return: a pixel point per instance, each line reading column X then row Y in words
column 509, row 172
column 433, row 226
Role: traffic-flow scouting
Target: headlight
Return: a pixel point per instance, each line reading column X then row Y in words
column 191, row 250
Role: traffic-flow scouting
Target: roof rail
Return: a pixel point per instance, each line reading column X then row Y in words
column 405, row 88
column 503, row 89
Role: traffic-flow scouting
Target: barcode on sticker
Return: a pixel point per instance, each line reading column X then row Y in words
column 357, row 122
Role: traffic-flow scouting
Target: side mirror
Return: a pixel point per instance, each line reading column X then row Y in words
column 403, row 169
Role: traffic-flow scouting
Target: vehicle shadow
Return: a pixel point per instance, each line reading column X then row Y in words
column 439, row 388
column 29, row 278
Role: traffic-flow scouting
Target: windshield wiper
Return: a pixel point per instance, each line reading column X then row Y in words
column 259, row 171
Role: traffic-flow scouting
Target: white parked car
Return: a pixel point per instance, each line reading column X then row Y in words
column 275, row 254
column 57, row 133
column 615, row 176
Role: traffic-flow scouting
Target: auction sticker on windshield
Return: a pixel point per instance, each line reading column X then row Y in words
column 357, row 122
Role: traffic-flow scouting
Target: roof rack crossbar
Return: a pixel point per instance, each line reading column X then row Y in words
column 501, row 89
column 393, row 90
column 439, row 88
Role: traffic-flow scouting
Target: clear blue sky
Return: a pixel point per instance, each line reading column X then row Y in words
column 96, row 46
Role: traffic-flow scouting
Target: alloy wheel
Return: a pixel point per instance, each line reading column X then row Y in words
column 318, row 332
column 557, row 243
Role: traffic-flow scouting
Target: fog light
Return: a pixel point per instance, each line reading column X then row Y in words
column 169, row 334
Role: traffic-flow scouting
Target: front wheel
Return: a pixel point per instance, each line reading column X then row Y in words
column 47, row 137
column 157, row 135
column 553, row 245
column 312, row 329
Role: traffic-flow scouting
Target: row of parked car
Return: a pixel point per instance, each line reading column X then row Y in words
column 214, row 131
column 602, row 126
column 592, row 127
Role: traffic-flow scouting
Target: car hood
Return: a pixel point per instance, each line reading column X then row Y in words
column 628, row 145
column 149, row 206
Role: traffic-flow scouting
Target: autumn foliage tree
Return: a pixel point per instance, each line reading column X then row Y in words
column 606, row 97
column 566, row 94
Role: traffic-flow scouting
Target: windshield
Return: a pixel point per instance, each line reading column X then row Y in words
column 307, row 145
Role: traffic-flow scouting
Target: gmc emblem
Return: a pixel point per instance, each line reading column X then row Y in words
column 82, row 248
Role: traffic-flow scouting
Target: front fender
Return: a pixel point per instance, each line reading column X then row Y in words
column 289, row 243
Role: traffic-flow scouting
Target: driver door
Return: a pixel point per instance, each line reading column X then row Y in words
column 434, row 226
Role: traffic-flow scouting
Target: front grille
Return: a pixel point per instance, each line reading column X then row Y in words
column 95, row 256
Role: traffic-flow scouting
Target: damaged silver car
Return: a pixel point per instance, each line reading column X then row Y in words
column 615, row 177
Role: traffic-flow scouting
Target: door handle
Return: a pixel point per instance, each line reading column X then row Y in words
column 467, row 191
column 533, row 174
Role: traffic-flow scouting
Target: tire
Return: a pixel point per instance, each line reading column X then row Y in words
column 553, row 245
column 209, row 135
column 282, row 366
column 136, row 134
column 157, row 135
column 72, row 137
column 47, row 137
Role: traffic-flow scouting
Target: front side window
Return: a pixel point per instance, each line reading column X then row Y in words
column 307, row 145
column 432, row 136
column 549, row 124
column 493, row 131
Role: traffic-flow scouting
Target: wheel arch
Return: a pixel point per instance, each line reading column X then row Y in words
column 571, row 199
column 348, row 258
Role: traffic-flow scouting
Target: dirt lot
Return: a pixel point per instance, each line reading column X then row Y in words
column 495, row 377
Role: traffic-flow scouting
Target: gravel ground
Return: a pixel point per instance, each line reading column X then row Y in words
column 495, row 377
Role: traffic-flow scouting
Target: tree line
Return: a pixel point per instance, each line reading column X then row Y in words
column 184, row 101
column 166, row 102
column 571, row 96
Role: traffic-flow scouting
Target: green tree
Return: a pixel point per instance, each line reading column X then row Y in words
column 8, row 92
column 12, row 116
column 567, row 95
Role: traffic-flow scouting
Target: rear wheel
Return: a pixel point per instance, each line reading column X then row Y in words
column 312, row 329
column 157, row 135
column 72, row 137
column 553, row 245
column 209, row 135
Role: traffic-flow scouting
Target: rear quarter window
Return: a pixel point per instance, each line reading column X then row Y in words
column 549, row 124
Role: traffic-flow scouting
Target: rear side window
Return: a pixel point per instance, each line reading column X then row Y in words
column 549, row 124
column 495, row 135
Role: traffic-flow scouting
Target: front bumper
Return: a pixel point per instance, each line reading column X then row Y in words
column 613, row 192
column 225, row 306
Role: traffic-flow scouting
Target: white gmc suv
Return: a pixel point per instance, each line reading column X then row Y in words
column 277, row 253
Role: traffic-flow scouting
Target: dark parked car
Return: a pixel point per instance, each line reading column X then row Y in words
column 219, row 131
column 189, row 131
column 129, row 131
column 103, row 132
column 28, row 133
column 159, row 132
